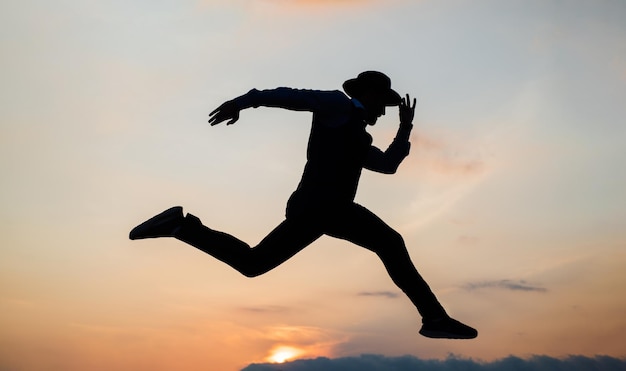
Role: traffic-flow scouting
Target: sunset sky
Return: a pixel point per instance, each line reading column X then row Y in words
column 512, row 202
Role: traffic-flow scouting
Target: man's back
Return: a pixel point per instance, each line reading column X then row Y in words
column 335, row 158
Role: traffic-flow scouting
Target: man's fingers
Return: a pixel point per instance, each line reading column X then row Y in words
column 214, row 121
column 227, row 106
column 406, row 101
column 215, row 116
column 219, row 117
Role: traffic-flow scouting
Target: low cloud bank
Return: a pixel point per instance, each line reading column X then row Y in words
column 505, row 284
column 384, row 294
column 369, row 362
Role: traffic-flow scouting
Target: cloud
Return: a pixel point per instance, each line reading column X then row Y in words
column 446, row 155
column 385, row 294
column 520, row 285
column 368, row 362
column 265, row 309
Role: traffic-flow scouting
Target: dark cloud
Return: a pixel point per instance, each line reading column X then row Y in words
column 386, row 294
column 265, row 309
column 520, row 285
column 368, row 362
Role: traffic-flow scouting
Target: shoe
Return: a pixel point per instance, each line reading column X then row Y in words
column 447, row 328
column 165, row 224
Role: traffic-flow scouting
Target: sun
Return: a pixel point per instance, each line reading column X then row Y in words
column 283, row 353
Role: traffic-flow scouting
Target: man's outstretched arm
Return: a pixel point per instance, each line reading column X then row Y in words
column 387, row 162
column 319, row 102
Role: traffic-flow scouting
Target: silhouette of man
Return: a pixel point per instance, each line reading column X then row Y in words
column 339, row 148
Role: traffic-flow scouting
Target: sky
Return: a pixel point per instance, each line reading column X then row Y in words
column 512, row 202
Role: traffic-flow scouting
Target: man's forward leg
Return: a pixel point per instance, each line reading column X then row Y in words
column 360, row 226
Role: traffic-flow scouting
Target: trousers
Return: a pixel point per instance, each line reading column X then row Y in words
column 351, row 222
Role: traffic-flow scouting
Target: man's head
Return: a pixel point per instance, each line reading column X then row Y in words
column 373, row 90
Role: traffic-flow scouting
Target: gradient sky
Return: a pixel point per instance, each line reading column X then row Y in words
column 512, row 202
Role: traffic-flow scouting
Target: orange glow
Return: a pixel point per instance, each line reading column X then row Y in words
column 282, row 353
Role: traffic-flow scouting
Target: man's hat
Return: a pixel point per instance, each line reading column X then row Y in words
column 373, row 80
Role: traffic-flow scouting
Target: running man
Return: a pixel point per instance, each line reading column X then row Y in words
column 323, row 204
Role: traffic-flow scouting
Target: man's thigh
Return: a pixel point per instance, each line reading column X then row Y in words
column 360, row 226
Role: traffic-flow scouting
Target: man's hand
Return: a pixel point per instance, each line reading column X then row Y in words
column 227, row 111
column 407, row 111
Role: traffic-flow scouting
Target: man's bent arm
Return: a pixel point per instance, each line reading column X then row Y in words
column 387, row 162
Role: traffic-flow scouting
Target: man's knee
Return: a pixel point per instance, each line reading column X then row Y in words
column 251, row 272
column 392, row 248
column 254, row 264
column 393, row 240
column 398, row 238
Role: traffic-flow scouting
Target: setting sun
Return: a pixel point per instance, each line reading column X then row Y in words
column 281, row 354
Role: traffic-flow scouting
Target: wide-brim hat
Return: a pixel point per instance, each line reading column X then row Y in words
column 373, row 81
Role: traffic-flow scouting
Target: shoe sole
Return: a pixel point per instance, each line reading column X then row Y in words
column 445, row 335
column 141, row 231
